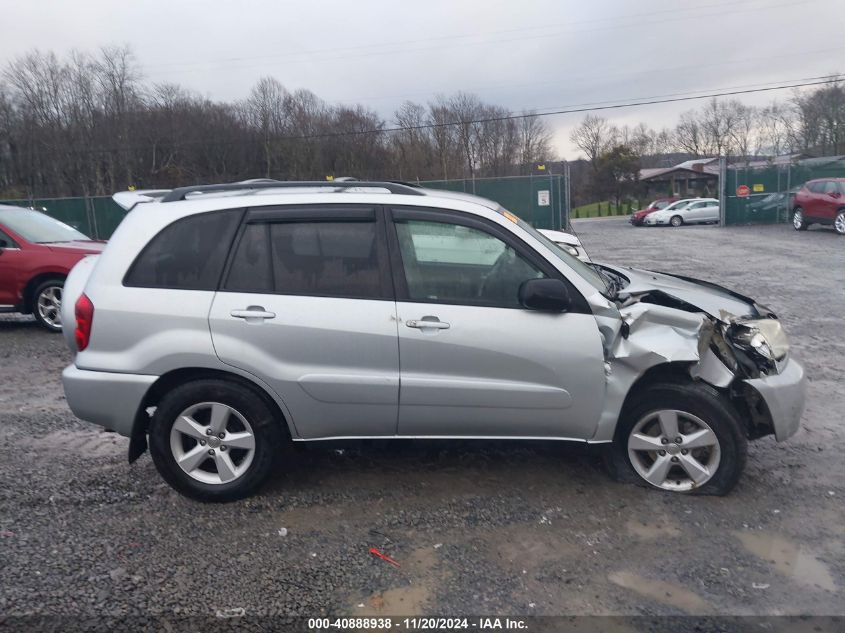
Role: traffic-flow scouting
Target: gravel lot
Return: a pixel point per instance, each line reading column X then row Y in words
column 478, row 529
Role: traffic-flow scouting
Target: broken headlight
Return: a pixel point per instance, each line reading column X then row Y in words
column 764, row 339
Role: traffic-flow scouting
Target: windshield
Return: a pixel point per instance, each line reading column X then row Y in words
column 587, row 272
column 660, row 204
column 38, row 228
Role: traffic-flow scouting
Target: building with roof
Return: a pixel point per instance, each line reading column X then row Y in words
column 691, row 178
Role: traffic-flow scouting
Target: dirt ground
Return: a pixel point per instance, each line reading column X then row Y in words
column 477, row 528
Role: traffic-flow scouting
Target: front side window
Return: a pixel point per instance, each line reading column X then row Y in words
column 6, row 241
column 451, row 263
column 830, row 187
column 187, row 255
column 326, row 258
column 39, row 228
column 817, row 187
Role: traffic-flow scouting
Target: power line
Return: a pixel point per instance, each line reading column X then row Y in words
column 799, row 83
column 402, row 47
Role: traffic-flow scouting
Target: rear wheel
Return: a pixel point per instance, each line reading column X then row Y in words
column 798, row 221
column 215, row 440
column 47, row 304
column 676, row 220
column 680, row 438
column 839, row 222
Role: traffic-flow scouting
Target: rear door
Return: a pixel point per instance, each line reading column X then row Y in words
column 307, row 305
column 474, row 362
column 10, row 261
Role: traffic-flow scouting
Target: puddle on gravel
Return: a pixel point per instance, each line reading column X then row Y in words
column 652, row 531
column 788, row 559
column 90, row 444
column 410, row 599
column 661, row 591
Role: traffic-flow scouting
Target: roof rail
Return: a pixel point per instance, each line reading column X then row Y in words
column 181, row 193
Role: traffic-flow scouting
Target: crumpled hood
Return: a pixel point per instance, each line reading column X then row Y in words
column 86, row 247
column 718, row 302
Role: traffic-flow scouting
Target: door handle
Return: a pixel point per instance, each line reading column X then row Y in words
column 253, row 314
column 425, row 323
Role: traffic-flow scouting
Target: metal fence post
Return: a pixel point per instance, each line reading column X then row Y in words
column 566, row 194
column 723, row 185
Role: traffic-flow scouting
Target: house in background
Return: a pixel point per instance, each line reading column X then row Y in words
column 692, row 178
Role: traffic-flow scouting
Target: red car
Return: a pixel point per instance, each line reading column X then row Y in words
column 638, row 217
column 820, row 201
column 36, row 254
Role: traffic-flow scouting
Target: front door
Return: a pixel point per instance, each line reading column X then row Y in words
column 307, row 305
column 829, row 202
column 474, row 362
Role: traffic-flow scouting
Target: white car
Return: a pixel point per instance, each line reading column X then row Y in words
column 568, row 242
column 688, row 211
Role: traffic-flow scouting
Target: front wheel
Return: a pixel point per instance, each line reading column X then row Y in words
column 676, row 220
column 839, row 222
column 683, row 437
column 798, row 221
column 47, row 304
column 215, row 440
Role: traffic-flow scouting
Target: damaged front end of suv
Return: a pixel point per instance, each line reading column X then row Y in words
column 672, row 325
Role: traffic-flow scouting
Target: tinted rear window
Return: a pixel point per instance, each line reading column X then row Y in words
column 188, row 254
column 326, row 258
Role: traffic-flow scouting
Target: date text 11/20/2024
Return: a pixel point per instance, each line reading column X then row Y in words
column 418, row 624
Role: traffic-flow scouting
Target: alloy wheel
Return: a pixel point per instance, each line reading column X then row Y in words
column 839, row 223
column 212, row 443
column 674, row 450
column 49, row 306
column 798, row 219
column 676, row 220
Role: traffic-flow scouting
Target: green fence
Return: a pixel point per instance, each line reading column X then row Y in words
column 539, row 200
column 96, row 217
column 764, row 195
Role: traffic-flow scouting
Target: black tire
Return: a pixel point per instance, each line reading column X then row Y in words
column 43, row 318
column 799, row 222
column 698, row 399
column 676, row 221
column 270, row 435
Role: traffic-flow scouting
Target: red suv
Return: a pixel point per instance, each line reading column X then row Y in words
column 638, row 217
column 36, row 254
column 820, row 202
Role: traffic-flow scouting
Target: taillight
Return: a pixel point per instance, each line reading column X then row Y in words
column 84, row 311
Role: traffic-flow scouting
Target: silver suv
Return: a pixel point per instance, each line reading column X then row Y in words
column 223, row 321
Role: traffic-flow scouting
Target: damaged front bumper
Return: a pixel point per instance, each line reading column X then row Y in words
column 784, row 394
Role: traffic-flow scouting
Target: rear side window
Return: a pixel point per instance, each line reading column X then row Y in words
column 188, row 254
column 325, row 258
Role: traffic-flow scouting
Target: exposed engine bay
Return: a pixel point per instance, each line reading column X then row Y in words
column 719, row 336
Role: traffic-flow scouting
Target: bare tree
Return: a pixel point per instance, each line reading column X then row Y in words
column 594, row 136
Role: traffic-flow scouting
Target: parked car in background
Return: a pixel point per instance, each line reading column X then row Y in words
column 223, row 322
column 568, row 242
column 638, row 217
column 820, row 202
column 36, row 254
column 690, row 211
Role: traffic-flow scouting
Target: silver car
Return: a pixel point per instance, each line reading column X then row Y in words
column 689, row 211
column 221, row 322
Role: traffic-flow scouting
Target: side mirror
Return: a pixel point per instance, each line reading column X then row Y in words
column 549, row 295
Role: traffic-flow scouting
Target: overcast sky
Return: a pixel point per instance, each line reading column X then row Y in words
column 525, row 54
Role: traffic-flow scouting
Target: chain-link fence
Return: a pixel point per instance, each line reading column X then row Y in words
column 97, row 217
column 542, row 201
column 764, row 193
